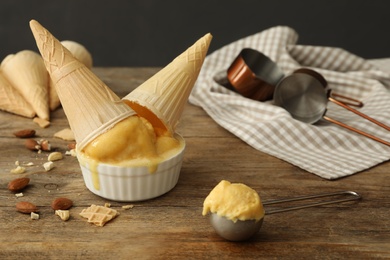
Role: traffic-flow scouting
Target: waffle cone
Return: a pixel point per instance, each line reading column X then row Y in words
column 90, row 106
column 79, row 52
column 26, row 72
column 166, row 93
column 12, row 101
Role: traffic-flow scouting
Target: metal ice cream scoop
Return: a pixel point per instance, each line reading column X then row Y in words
column 243, row 230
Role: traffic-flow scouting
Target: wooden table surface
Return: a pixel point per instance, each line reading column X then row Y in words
column 172, row 226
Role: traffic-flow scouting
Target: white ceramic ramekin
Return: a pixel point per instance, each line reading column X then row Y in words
column 135, row 183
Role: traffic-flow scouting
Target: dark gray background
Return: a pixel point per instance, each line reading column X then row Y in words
column 152, row 33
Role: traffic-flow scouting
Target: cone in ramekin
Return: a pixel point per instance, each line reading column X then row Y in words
column 12, row 101
column 26, row 72
column 161, row 99
column 90, row 106
column 79, row 52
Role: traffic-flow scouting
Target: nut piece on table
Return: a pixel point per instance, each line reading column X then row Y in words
column 25, row 133
column 48, row 166
column 18, row 184
column 18, row 170
column 54, row 156
column 63, row 214
column 32, row 145
column 26, row 207
column 61, row 204
column 45, row 145
column 34, row 215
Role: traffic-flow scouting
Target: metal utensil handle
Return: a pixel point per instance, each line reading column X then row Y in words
column 351, row 196
column 347, row 100
column 356, row 130
column 359, row 113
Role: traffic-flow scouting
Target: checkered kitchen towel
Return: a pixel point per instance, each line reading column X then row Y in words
column 324, row 149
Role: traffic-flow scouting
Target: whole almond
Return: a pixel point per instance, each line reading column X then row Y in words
column 25, row 133
column 32, row 145
column 26, row 207
column 18, row 184
column 61, row 204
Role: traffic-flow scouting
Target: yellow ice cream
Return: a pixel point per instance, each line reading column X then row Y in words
column 132, row 141
column 234, row 201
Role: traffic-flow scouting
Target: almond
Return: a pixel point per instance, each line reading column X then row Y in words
column 26, row 207
column 25, row 133
column 72, row 145
column 32, row 145
column 18, row 184
column 45, row 145
column 61, row 204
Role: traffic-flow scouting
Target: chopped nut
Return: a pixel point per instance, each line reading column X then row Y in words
column 107, row 204
column 45, row 145
column 63, row 214
column 41, row 122
column 127, row 206
column 18, row 170
column 34, row 215
column 71, row 153
column 55, row 156
column 48, row 166
column 18, row 195
column 30, row 164
column 16, row 163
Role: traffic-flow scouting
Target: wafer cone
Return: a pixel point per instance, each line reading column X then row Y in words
column 12, row 101
column 90, row 106
column 166, row 93
column 79, row 52
column 26, row 72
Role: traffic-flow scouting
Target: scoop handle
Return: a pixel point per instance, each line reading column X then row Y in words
column 337, row 102
column 349, row 196
column 356, row 130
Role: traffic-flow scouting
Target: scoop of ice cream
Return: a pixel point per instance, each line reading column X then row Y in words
column 132, row 139
column 234, row 201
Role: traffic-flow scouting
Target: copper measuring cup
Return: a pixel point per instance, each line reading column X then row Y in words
column 304, row 95
column 253, row 75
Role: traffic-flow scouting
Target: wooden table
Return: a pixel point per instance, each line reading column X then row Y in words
column 172, row 226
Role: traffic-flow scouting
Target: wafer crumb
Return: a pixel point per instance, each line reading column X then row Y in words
column 127, row 207
column 65, row 134
column 41, row 122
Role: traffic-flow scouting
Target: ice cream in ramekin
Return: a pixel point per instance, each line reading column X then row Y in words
column 128, row 149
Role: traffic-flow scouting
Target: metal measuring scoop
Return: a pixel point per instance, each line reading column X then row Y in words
column 243, row 230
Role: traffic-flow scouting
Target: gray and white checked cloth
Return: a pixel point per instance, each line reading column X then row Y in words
column 324, row 149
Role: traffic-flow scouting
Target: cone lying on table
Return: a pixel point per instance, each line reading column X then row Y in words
column 79, row 52
column 90, row 106
column 26, row 72
column 165, row 94
column 12, row 101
